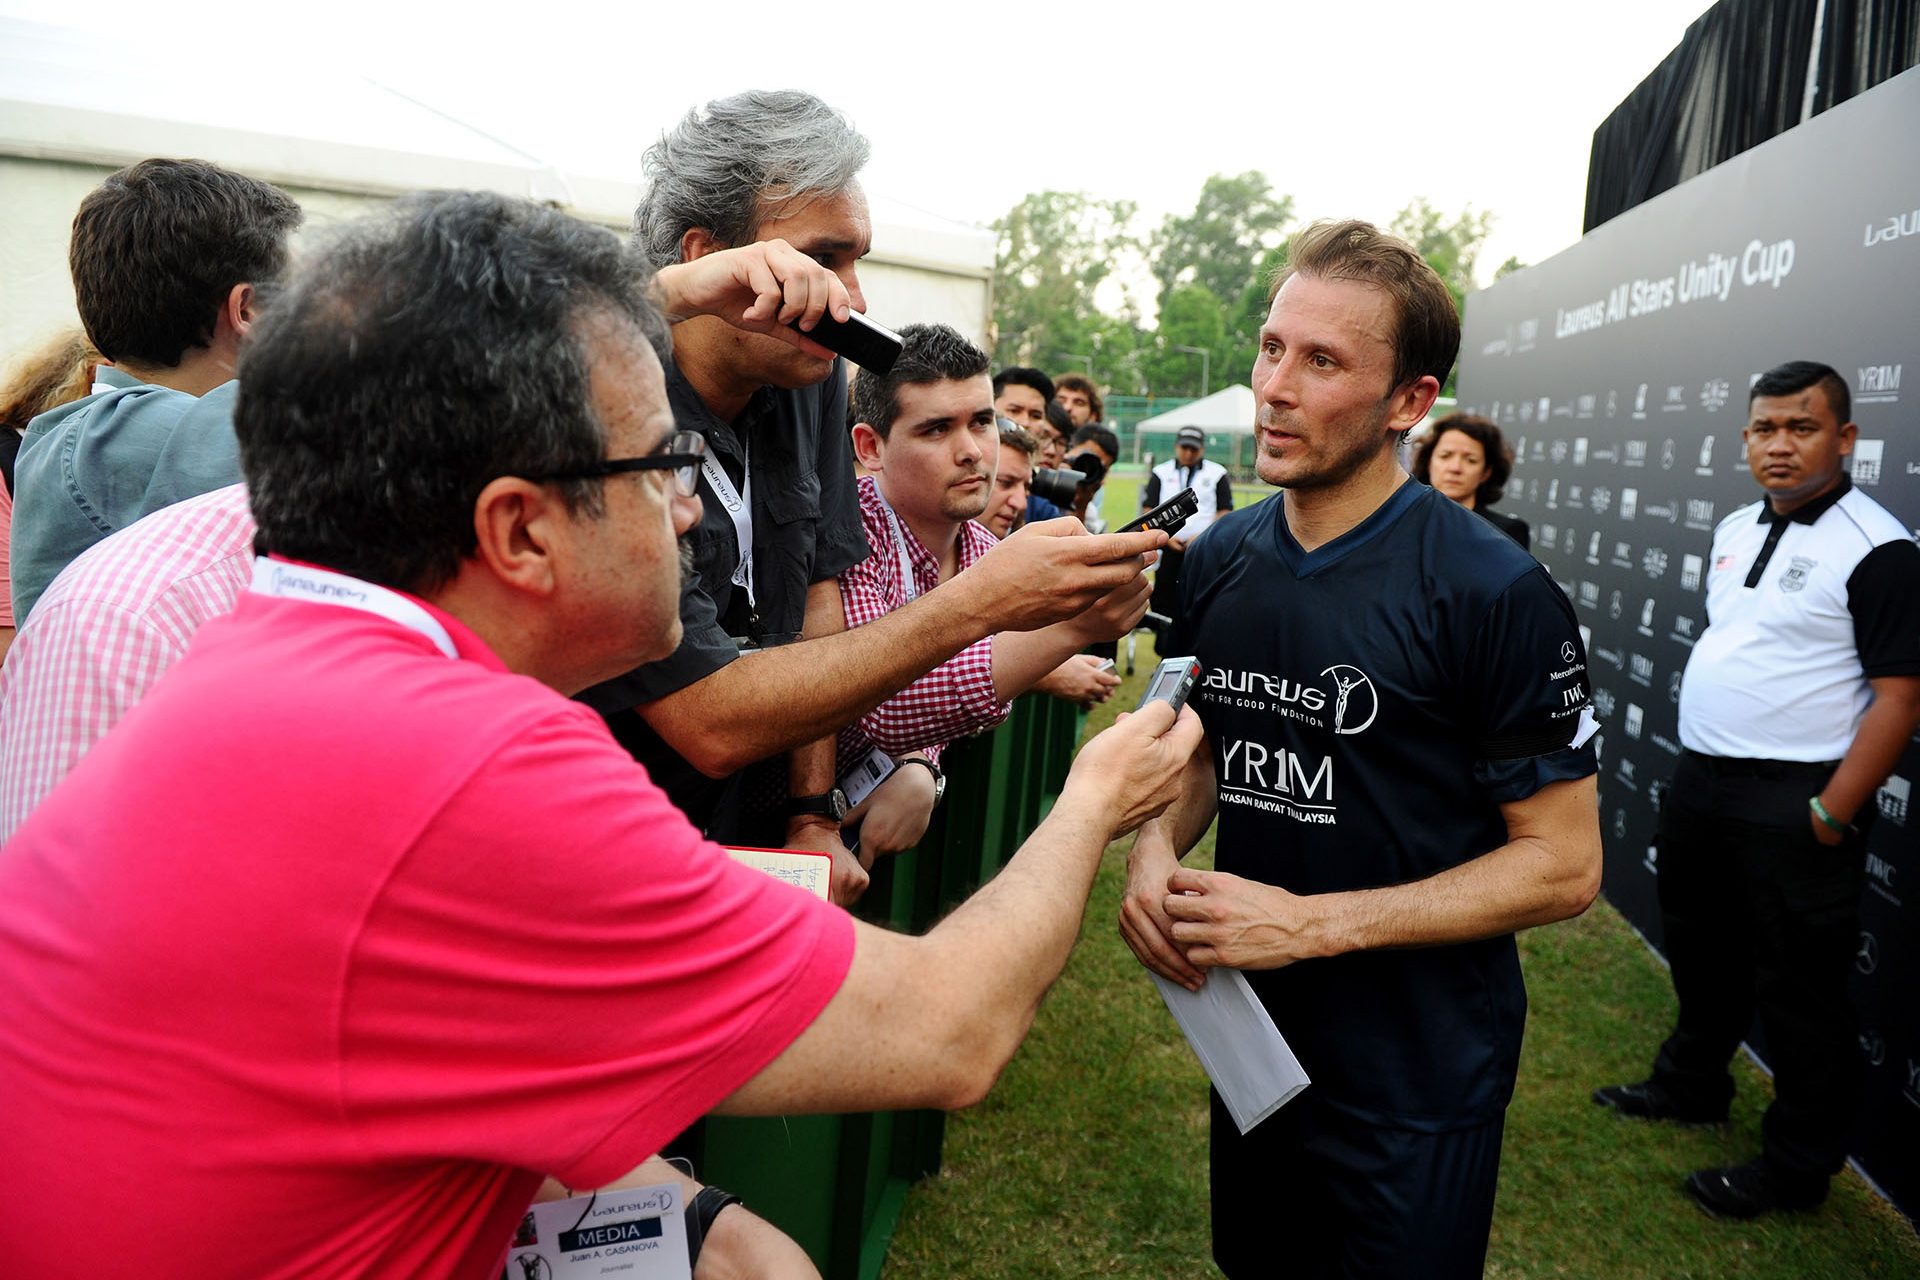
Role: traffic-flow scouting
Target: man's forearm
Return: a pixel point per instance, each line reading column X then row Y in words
column 1022, row 659
column 1548, row 870
column 1883, row 735
column 774, row 700
column 1189, row 816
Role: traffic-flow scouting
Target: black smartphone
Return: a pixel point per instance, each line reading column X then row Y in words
column 1169, row 515
column 873, row 347
column 1172, row 681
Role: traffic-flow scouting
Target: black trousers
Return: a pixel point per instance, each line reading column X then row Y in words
column 1313, row 1193
column 1761, row 917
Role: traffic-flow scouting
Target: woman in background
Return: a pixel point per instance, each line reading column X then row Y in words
column 1464, row 457
column 48, row 376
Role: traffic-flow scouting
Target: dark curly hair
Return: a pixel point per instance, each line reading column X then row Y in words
column 1482, row 431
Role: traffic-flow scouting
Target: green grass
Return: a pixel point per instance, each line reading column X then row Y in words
column 1089, row 1157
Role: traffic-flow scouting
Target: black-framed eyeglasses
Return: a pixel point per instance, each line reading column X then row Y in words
column 680, row 453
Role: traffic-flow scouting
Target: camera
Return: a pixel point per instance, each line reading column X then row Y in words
column 1057, row 486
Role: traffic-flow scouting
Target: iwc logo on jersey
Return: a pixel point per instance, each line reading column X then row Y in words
column 1796, row 575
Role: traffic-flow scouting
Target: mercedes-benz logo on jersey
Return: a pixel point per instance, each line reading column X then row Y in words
column 1873, row 1047
column 1568, row 654
column 1354, row 697
column 1867, row 959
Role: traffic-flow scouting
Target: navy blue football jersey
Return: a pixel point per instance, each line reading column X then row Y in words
column 1370, row 705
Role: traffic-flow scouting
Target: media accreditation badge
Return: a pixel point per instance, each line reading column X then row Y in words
column 637, row 1234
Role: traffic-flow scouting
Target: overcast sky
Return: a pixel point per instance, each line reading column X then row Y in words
column 1352, row 109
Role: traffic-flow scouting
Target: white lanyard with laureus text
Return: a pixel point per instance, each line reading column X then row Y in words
column 739, row 505
column 323, row 586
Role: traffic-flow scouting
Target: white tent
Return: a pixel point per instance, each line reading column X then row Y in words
column 1228, row 411
column 339, row 144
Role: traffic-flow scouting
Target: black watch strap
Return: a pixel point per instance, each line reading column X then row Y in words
column 706, row 1206
column 832, row 804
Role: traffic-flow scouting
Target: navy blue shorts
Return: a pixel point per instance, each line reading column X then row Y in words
column 1314, row 1192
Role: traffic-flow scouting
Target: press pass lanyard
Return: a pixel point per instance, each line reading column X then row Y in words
column 323, row 586
column 907, row 584
column 739, row 505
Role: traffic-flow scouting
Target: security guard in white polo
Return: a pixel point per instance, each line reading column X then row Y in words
column 1797, row 702
column 1186, row 469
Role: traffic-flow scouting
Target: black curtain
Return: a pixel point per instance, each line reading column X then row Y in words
column 1865, row 42
column 1737, row 78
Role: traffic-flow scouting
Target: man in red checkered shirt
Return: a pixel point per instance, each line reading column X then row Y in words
column 928, row 437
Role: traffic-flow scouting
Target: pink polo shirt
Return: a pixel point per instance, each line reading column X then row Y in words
column 335, row 946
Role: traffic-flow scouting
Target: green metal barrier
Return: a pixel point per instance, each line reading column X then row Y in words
column 836, row 1184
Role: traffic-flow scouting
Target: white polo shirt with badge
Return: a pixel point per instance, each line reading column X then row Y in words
column 1802, row 611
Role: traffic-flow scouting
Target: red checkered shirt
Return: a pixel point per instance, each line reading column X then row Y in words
column 953, row 700
column 107, row 627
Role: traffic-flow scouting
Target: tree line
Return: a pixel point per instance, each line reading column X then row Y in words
column 1210, row 269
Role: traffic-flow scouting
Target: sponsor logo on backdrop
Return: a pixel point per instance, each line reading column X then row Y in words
column 1589, row 594
column 1600, row 498
column 1567, row 539
column 1553, row 495
column 1624, row 772
column 1550, row 534
column 1881, row 875
column 1877, row 384
column 1646, row 619
column 1575, row 496
column 1654, row 562
column 1657, row 793
column 1527, row 335
column 1691, row 569
column 1673, row 689
column 1683, row 630
column 1666, row 455
column 1676, row 401
column 1640, row 402
column 1700, row 514
column 1629, row 503
column 1893, row 796
column 1866, row 460
column 1580, row 452
column 1612, row 657
column 1898, row 227
column 1866, row 958
column 1652, row 861
column 1668, row 511
column 1613, row 403
column 1640, row 670
column 1545, row 409
column 1635, row 716
column 1622, row 556
column 1593, row 548
column 1558, row 453
column 1666, row 744
column 1603, row 703
column 1614, row 606
column 1705, row 465
column 1526, row 411
column 1633, row 453
column 1620, row 824
column 1714, row 393
column 1873, row 1047
column 1566, row 588
column 1584, row 406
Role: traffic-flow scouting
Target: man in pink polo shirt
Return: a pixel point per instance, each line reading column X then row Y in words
column 355, row 928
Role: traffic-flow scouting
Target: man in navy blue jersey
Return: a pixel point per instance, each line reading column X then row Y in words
column 1397, row 718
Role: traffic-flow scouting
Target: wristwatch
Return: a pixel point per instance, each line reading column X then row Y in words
column 832, row 805
column 939, row 778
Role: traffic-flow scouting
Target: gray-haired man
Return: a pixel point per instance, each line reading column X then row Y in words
column 781, row 518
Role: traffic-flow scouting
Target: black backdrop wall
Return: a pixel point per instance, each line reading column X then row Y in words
column 1619, row 370
column 1737, row 78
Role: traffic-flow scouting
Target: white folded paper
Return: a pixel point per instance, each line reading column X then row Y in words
column 1245, row 1055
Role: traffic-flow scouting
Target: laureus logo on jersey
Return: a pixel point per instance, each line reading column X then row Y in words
column 1342, row 698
